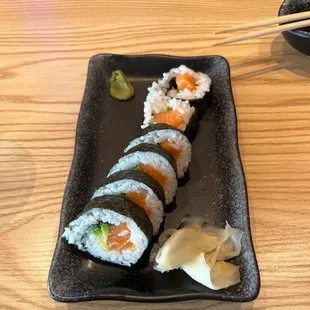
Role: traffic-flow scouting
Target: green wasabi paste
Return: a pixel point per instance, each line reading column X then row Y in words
column 121, row 88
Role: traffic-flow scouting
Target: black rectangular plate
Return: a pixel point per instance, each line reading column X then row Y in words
column 216, row 187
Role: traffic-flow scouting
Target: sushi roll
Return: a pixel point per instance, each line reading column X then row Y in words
column 174, row 112
column 154, row 161
column 139, row 188
column 185, row 83
column 169, row 138
column 179, row 84
column 111, row 228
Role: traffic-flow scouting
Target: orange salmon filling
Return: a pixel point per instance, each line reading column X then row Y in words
column 160, row 178
column 171, row 117
column 118, row 238
column 171, row 149
column 138, row 199
column 185, row 81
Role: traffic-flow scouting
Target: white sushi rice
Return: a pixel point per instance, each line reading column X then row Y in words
column 156, row 100
column 79, row 233
column 152, row 203
column 158, row 162
column 177, row 139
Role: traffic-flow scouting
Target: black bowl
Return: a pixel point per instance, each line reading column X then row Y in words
column 298, row 38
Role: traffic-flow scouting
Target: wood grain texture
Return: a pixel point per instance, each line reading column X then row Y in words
column 44, row 52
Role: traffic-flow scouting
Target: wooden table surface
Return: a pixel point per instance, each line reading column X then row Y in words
column 44, row 51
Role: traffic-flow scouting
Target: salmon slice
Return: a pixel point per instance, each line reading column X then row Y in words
column 138, row 199
column 171, row 149
column 171, row 117
column 155, row 174
column 118, row 238
column 185, row 81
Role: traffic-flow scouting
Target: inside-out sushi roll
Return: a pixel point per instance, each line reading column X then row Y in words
column 170, row 139
column 139, row 188
column 174, row 112
column 182, row 83
column 154, row 161
column 185, row 83
column 181, row 89
column 111, row 228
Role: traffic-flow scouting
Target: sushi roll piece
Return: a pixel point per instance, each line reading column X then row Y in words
column 174, row 112
column 169, row 138
column 139, row 188
column 184, row 84
column 111, row 228
column 154, row 161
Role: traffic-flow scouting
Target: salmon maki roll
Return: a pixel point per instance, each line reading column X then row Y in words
column 111, row 228
column 182, row 90
column 173, row 112
column 139, row 188
column 185, row 83
column 174, row 141
column 154, row 161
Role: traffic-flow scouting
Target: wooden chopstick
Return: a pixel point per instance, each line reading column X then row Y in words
column 260, row 33
column 268, row 21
